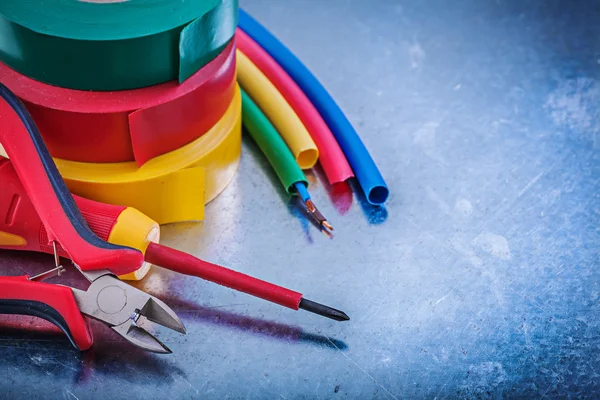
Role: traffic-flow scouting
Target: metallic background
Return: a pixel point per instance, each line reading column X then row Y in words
column 478, row 279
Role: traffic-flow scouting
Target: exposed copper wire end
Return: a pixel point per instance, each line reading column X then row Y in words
column 314, row 211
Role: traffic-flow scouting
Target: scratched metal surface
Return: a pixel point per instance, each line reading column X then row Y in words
column 479, row 279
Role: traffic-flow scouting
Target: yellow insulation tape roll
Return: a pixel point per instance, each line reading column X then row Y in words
column 173, row 187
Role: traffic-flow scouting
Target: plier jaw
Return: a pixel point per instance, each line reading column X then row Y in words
column 127, row 310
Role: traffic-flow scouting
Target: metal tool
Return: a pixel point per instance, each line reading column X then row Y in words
column 125, row 309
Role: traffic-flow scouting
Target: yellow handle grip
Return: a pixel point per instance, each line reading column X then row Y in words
column 137, row 230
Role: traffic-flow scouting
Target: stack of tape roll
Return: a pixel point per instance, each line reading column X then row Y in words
column 136, row 100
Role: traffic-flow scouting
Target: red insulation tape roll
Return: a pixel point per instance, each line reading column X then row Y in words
column 129, row 125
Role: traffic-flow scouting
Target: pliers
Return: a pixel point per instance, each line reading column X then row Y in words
column 127, row 310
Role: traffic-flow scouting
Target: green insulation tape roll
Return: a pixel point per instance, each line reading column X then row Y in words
column 110, row 44
column 271, row 144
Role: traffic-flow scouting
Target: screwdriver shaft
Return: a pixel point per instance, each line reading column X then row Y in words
column 187, row 264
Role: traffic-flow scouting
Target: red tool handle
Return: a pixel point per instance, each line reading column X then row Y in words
column 21, row 227
column 50, row 196
column 54, row 303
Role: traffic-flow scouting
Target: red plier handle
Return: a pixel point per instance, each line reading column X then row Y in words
column 54, row 204
column 54, row 303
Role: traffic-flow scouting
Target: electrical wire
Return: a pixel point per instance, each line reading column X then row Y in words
column 187, row 264
column 274, row 105
column 281, row 159
column 331, row 156
column 367, row 173
column 302, row 191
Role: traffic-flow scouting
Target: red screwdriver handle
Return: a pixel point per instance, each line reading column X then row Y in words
column 52, row 200
column 54, row 303
column 21, row 227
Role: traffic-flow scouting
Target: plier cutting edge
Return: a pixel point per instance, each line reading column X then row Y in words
column 127, row 310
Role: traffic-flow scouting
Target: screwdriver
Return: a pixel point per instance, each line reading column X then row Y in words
column 22, row 229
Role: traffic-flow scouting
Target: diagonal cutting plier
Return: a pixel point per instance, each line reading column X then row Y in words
column 127, row 310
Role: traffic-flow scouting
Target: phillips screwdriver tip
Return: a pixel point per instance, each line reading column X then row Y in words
column 323, row 310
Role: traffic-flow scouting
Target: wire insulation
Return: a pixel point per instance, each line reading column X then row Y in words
column 274, row 105
column 360, row 160
column 331, row 156
column 302, row 191
column 272, row 145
